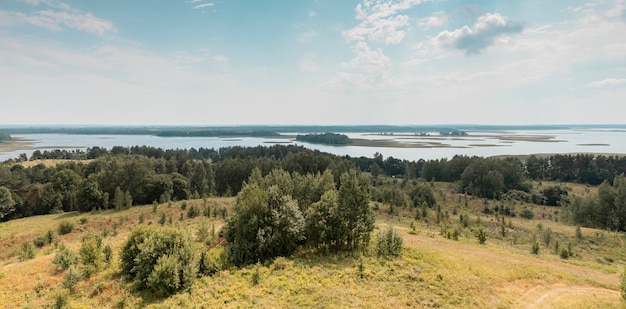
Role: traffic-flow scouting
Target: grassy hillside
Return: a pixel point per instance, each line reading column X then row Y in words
column 434, row 270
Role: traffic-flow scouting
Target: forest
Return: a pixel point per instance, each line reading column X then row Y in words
column 139, row 175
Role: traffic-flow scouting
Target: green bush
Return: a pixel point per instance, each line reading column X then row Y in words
column 27, row 252
column 72, row 278
column 481, row 235
column 623, row 285
column 160, row 259
column 193, row 211
column 389, row 243
column 90, row 251
column 108, row 254
column 527, row 213
column 212, row 261
column 64, row 258
column 66, row 227
column 40, row 241
column 535, row 248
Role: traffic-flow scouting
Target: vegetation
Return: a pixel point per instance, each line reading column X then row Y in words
column 297, row 232
column 326, row 138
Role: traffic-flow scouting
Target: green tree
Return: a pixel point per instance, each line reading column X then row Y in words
column 89, row 195
column 7, row 204
column 357, row 219
column 264, row 224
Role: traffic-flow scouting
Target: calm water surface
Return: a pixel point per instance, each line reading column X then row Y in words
column 485, row 143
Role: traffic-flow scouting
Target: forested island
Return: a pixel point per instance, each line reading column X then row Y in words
column 325, row 138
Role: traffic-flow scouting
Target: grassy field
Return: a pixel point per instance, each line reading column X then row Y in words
column 434, row 270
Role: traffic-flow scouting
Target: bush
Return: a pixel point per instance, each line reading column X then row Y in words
column 535, row 248
column 40, row 241
column 212, row 261
column 193, row 211
column 90, row 253
column 481, row 235
column 389, row 243
column 27, row 252
column 160, row 259
column 108, row 254
column 564, row 253
column 64, row 258
column 61, row 299
column 527, row 213
column 66, row 227
column 73, row 277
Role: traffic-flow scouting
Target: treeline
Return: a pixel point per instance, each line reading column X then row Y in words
column 125, row 176
column 326, row 138
column 141, row 175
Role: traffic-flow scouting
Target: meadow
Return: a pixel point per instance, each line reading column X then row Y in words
column 442, row 264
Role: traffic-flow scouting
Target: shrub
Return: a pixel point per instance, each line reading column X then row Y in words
column 160, row 259
column 40, row 241
column 27, row 252
column 89, row 252
column 108, row 254
column 527, row 213
column 61, row 299
column 83, row 220
column 64, row 258
column 65, row 227
column 564, row 253
column 212, row 261
column 481, row 235
column 193, row 211
column 535, row 248
column 389, row 243
column 73, row 277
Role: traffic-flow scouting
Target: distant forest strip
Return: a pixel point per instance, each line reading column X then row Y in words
column 325, row 138
column 248, row 130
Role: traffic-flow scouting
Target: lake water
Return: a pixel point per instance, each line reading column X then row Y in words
column 479, row 143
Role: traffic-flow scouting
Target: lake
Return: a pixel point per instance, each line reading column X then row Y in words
column 406, row 145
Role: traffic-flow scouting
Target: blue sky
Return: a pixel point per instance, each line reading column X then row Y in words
column 229, row 62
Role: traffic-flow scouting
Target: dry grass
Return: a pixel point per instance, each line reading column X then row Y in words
column 433, row 271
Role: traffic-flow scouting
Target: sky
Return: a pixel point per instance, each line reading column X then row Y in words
column 233, row 62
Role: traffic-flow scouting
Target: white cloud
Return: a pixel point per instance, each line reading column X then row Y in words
column 369, row 69
column 58, row 20
column 312, row 14
column 380, row 21
column 308, row 64
column 203, row 5
column 608, row 82
column 438, row 19
column 483, row 34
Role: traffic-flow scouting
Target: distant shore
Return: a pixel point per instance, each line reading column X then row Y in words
column 15, row 145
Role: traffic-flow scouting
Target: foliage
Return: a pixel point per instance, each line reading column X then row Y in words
column 605, row 210
column 389, row 243
column 160, row 259
column 64, row 258
column 481, row 235
column 90, row 252
column 326, row 138
column 535, row 248
column 527, row 213
column 421, row 194
column 72, row 278
column 27, row 251
column 65, row 227
column 212, row 261
column 7, row 204
column 264, row 224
